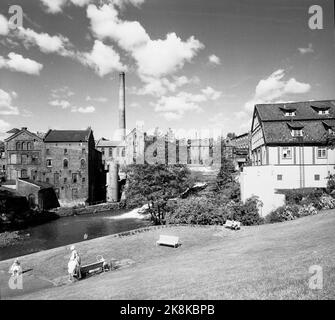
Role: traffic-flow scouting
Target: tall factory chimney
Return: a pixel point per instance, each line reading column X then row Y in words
column 122, row 107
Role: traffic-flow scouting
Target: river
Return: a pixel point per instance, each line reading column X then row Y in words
column 67, row 230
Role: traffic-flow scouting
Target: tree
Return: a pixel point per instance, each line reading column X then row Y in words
column 154, row 185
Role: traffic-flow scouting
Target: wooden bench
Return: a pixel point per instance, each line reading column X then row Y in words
column 96, row 267
column 235, row 225
column 168, row 241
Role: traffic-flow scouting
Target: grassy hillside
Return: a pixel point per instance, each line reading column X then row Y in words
column 259, row 262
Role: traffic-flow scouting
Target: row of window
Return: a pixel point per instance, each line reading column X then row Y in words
column 75, row 179
column 280, row 177
column 66, row 163
column 321, row 152
column 66, row 151
column 293, row 113
column 24, row 145
column 110, row 152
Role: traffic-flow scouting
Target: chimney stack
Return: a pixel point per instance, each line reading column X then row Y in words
column 122, row 107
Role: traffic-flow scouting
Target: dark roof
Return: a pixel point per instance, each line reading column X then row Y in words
column 304, row 110
column 67, row 135
column 277, row 127
column 277, row 133
column 17, row 132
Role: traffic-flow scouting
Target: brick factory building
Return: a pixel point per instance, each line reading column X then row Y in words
column 74, row 166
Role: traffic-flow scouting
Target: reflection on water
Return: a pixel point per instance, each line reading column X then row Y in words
column 69, row 230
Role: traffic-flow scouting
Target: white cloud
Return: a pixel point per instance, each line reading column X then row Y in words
column 60, row 93
column 4, row 127
column 133, row 38
column 309, row 49
column 103, row 59
column 212, row 94
column 274, row 88
column 64, row 104
column 6, row 103
column 16, row 62
column 98, row 99
column 161, row 86
column 46, row 43
column 213, row 59
column 56, row 6
column 4, row 29
column 172, row 50
column 89, row 109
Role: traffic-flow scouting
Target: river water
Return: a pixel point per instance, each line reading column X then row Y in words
column 67, row 230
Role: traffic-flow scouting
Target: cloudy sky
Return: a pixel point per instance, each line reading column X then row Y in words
column 189, row 63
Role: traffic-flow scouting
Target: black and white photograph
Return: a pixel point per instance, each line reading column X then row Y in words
column 167, row 150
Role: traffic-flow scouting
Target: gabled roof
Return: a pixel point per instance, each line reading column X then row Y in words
column 304, row 110
column 17, row 132
column 67, row 135
column 277, row 128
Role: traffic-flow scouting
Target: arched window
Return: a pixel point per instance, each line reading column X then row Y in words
column 24, row 146
column 29, row 146
column 18, row 145
column 123, row 152
column 82, row 163
column 65, row 163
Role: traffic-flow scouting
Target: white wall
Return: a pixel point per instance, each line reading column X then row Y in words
column 260, row 181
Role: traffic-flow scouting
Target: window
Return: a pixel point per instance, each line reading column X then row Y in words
column 321, row 112
column 65, row 163
column 317, row 177
column 322, row 152
column 74, row 194
column 290, row 113
column 49, row 163
column 24, row 146
column 297, row 132
column 286, row 153
column 29, row 146
column 83, row 180
column 24, row 173
column 82, row 163
column 47, row 151
column 13, row 159
column 83, row 151
column 123, row 152
column 56, row 178
column 18, row 145
column 103, row 151
column 279, row 177
column 111, row 152
column 65, row 180
column 34, row 160
column 74, row 178
column 65, row 151
column 47, row 180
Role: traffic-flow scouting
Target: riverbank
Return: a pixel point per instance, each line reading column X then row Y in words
column 258, row 262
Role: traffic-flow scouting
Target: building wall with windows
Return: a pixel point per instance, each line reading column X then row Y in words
column 290, row 147
column 24, row 155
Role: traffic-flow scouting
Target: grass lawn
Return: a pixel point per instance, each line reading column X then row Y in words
column 259, row 262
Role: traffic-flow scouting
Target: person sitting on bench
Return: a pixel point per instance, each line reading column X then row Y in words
column 74, row 264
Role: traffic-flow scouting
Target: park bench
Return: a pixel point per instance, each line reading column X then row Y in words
column 235, row 225
column 168, row 241
column 96, row 267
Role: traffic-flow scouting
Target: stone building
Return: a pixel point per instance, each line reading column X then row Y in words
column 24, row 155
column 74, row 166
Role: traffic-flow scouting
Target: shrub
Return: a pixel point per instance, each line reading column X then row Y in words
column 195, row 210
column 284, row 213
column 307, row 210
column 307, row 195
column 331, row 183
column 247, row 213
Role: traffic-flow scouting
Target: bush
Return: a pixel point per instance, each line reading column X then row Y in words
column 247, row 213
column 284, row 213
column 326, row 202
column 305, row 196
column 307, row 210
column 195, row 210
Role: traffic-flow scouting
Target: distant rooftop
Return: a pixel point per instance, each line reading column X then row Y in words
column 67, row 135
